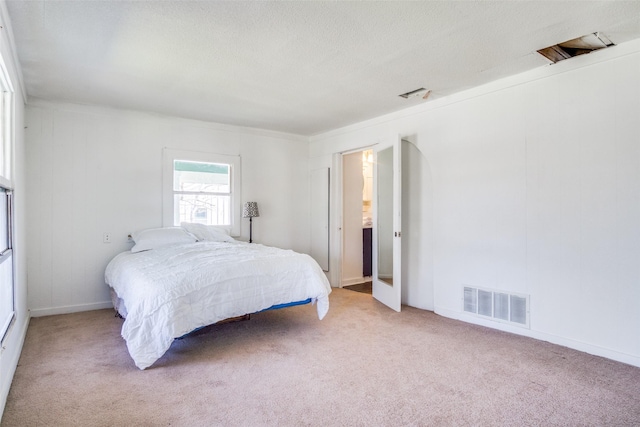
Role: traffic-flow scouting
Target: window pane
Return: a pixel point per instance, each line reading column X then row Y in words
column 4, row 221
column 203, row 209
column 6, row 266
column 5, row 147
column 203, row 177
column 6, row 292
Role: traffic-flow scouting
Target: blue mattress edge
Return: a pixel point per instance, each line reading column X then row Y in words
column 288, row 304
column 273, row 307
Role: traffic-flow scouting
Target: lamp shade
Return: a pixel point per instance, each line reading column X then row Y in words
column 250, row 210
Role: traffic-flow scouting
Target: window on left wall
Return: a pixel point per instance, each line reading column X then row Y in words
column 203, row 188
column 7, row 283
column 6, row 262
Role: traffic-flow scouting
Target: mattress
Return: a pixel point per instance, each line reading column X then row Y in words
column 167, row 292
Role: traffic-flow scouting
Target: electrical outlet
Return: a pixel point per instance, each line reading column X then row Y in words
column 106, row 237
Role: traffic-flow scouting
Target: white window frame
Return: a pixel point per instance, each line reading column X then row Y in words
column 170, row 155
column 7, row 137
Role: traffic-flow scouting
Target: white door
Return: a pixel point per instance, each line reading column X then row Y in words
column 386, row 224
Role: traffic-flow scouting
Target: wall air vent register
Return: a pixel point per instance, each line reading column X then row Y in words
column 496, row 305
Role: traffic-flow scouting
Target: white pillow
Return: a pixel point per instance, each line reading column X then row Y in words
column 209, row 233
column 156, row 237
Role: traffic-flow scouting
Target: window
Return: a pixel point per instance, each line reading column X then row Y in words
column 202, row 188
column 6, row 262
column 201, row 193
column 7, row 309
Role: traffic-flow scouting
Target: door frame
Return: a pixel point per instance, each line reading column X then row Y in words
column 336, row 236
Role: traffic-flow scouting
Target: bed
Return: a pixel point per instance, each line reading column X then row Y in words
column 176, row 285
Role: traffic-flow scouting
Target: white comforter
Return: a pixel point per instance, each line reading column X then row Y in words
column 170, row 291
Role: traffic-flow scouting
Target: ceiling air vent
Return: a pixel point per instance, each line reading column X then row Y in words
column 575, row 47
column 418, row 93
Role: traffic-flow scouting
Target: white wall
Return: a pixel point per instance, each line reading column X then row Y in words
column 12, row 345
column 417, row 229
column 92, row 170
column 535, row 183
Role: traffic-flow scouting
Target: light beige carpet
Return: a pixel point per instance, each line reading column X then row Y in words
column 362, row 365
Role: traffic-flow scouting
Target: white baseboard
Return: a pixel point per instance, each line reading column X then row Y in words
column 52, row 311
column 595, row 350
column 7, row 377
column 353, row 281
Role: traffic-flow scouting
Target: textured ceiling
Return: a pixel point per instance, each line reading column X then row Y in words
column 299, row 67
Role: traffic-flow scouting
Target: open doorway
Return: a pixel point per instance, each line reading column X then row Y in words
column 417, row 241
column 357, row 220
